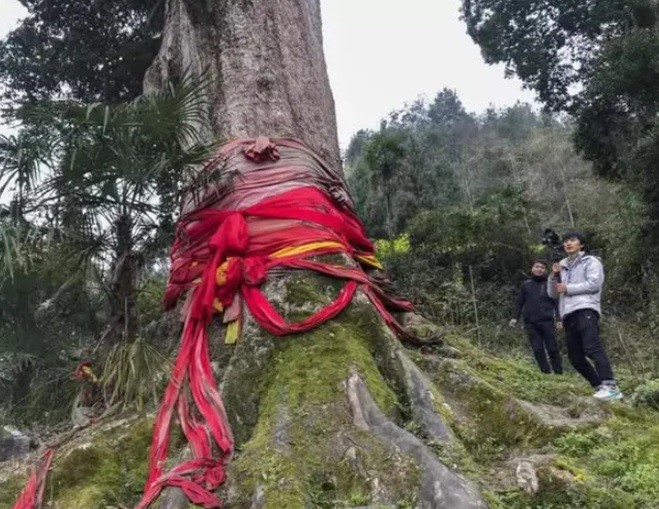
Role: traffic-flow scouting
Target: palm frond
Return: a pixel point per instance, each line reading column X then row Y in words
column 132, row 374
column 19, row 245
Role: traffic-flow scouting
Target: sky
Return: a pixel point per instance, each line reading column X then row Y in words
column 382, row 54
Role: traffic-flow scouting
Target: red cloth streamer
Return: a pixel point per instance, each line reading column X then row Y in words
column 32, row 495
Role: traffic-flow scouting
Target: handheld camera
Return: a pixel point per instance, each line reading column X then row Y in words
column 554, row 244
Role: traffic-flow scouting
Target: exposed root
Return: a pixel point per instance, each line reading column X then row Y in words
column 414, row 386
column 582, row 414
column 422, row 401
column 440, row 487
column 423, row 329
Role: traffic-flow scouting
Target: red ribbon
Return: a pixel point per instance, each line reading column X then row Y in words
column 32, row 495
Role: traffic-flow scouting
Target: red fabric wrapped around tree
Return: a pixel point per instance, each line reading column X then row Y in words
column 274, row 204
column 281, row 206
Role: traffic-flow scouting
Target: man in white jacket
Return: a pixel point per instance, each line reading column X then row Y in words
column 577, row 283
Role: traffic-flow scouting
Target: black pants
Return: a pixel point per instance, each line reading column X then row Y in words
column 542, row 336
column 582, row 335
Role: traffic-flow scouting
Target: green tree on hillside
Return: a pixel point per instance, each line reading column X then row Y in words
column 89, row 51
column 598, row 61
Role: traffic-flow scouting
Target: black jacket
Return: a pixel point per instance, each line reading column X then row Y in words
column 533, row 303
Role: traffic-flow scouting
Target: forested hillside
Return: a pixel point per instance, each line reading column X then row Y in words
column 461, row 202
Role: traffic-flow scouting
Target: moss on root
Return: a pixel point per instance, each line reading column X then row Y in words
column 495, row 417
column 108, row 469
column 305, row 450
column 518, row 377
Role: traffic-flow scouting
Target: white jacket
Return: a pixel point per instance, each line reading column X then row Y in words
column 584, row 277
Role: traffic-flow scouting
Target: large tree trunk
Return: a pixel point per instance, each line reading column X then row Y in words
column 319, row 418
column 264, row 62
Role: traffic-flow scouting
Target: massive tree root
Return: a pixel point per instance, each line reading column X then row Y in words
column 338, row 416
column 440, row 487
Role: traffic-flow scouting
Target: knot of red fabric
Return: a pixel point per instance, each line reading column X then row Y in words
column 255, row 270
column 214, row 476
column 262, row 150
column 250, row 271
column 230, row 239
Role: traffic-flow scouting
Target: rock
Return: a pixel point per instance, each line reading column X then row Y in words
column 647, row 394
column 526, row 477
column 553, row 478
column 584, row 413
column 450, row 352
column 13, row 444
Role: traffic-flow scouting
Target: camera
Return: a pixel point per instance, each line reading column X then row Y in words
column 554, row 244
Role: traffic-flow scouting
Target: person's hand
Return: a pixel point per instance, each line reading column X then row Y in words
column 560, row 287
column 512, row 322
column 559, row 325
column 556, row 268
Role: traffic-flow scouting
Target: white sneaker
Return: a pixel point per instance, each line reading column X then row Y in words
column 608, row 393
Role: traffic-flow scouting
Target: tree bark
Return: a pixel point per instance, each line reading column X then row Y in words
column 265, row 67
column 123, row 284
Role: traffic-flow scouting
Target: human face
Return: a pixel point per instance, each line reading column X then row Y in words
column 538, row 269
column 572, row 245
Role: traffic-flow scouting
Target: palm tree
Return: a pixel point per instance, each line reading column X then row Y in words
column 106, row 179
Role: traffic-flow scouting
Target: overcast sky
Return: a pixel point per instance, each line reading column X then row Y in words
column 383, row 53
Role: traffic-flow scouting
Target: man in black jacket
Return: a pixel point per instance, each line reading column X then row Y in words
column 540, row 313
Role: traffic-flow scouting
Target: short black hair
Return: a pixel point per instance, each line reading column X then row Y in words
column 541, row 261
column 575, row 234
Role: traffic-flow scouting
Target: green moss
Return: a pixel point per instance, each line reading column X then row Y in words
column 564, row 486
column 577, row 444
column 611, row 465
column 321, row 361
column 519, row 377
column 297, row 454
column 302, row 290
column 318, row 362
column 497, row 419
column 624, row 454
column 10, row 489
column 647, row 394
column 109, row 471
column 306, row 293
column 557, row 491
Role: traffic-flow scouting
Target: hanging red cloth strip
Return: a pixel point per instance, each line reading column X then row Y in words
column 32, row 495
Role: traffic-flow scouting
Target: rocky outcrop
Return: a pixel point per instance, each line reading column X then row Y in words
column 14, row 444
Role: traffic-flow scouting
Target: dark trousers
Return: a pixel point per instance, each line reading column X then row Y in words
column 582, row 335
column 542, row 336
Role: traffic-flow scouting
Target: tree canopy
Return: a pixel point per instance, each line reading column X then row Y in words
column 89, row 51
column 598, row 61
